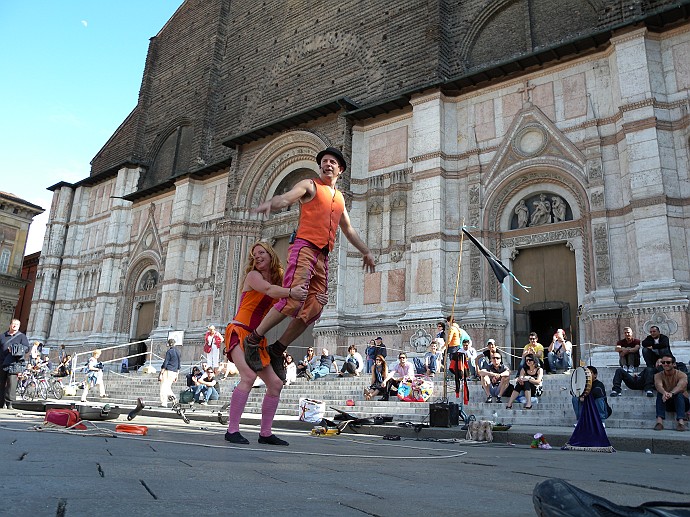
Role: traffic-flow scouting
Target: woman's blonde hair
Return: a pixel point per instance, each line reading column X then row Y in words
column 276, row 268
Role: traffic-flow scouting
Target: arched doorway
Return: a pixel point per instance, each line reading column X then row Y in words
column 143, row 314
column 552, row 300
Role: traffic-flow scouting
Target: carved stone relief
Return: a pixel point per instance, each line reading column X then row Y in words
column 601, row 255
column 546, row 209
column 420, row 340
column 667, row 326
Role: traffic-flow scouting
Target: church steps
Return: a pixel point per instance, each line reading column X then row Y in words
column 632, row 410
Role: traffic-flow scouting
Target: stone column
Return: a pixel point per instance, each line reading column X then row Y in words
column 436, row 213
column 50, row 264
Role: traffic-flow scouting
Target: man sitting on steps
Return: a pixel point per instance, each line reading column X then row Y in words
column 635, row 381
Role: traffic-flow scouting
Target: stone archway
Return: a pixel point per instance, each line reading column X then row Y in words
column 550, row 253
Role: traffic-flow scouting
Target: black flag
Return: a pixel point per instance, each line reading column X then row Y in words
column 499, row 269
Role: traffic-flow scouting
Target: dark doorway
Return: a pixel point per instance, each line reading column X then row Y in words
column 545, row 323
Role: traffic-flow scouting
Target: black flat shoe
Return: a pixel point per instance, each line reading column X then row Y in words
column 272, row 440
column 235, row 438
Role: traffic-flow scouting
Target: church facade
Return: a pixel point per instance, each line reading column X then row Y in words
column 558, row 138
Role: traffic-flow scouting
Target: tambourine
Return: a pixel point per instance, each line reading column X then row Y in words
column 581, row 382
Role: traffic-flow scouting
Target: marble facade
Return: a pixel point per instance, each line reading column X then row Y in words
column 600, row 143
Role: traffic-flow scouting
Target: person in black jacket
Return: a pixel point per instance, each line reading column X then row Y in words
column 598, row 392
column 654, row 346
column 169, row 371
column 13, row 348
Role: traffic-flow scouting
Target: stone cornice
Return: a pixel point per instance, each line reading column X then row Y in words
column 383, row 123
column 424, row 97
column 629, row 35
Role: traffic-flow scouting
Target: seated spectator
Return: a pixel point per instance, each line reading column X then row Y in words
column 654, row 345
column 672, row 393
column 193, row 376
column 306, row 365
column 628, row 350
column 535, row 348
column 290, row 370
column 432, row 358
column 353, row 364
column 635, row 381
column 483, row 360
column 228, row 369
column 560, row 352
column 208, row 387
column 495, row 378
column 470, row 354
column 400, row 372
column 598, row 392
column 529, row 382
column 326, row 361
column 124, row 365
column 378, row 376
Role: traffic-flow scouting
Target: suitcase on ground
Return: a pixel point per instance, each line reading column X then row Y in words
column 107, row 412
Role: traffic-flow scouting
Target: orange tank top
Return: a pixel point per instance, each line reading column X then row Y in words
column 320, row 217
column 253, row 307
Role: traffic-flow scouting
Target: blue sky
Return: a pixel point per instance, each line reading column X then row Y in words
column 72, row 72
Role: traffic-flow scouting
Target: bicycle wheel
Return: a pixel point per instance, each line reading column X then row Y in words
column 21, row 388
column 31, row 390
column 56, row 388
column 43, row 389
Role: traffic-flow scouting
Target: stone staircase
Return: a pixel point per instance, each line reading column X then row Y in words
column 633, row 410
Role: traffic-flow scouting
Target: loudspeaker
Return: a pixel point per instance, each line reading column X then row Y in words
column 444, row 414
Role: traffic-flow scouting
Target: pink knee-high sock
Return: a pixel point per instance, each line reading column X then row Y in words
column 268, row 411
column 237, row 403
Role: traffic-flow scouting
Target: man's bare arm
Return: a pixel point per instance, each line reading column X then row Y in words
column 300, row 190
column 368, row 262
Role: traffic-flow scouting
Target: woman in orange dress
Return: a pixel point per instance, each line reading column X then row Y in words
column 261, row 289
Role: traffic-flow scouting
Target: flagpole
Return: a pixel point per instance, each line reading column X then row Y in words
column 452, row 310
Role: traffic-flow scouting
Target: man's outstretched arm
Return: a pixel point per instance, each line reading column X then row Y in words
column 291, row 197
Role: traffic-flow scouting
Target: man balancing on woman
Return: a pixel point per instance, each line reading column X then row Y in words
column 322, row 211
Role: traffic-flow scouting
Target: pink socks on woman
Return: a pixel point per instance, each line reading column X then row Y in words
column 268, row 411
column 237, row 403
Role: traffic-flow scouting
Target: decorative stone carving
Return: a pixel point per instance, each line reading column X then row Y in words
column 148, row 281
column 474, row 195
column 558, row 208
column 601, row 255
column 666, row 325
column 522, row 213
column 530, row 141
column 420, row 340
column 542, row 211
column 594, row 172
column 598, row 199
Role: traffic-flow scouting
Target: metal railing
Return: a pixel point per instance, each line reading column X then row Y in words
column 75, row 361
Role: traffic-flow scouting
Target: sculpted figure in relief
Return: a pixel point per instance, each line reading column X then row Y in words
column 558, row 208
column 542, row 211
column 522, row 213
